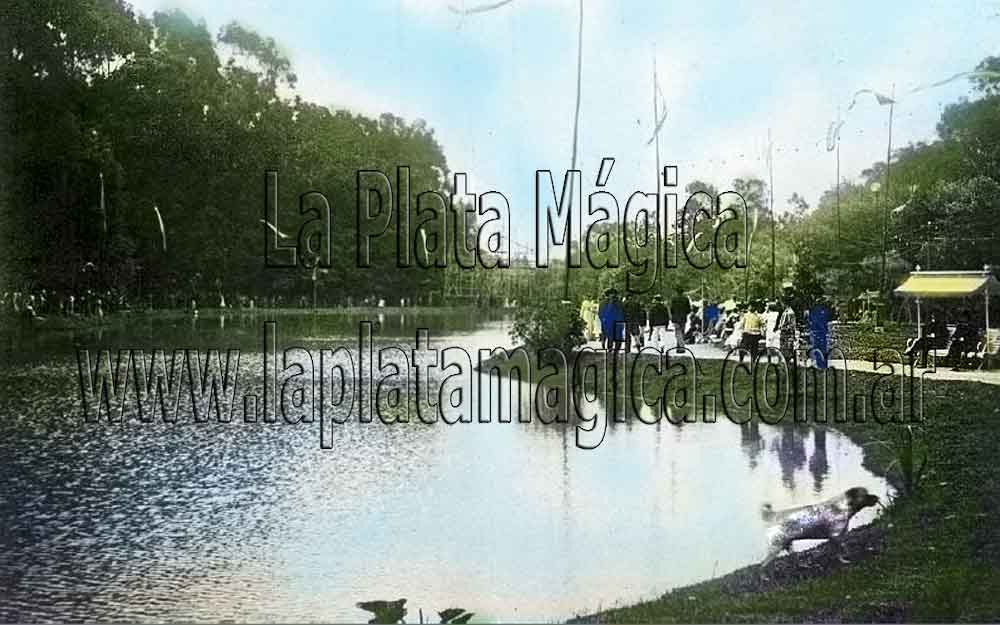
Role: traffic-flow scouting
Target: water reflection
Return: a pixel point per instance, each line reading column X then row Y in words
column 818, row 464
column 751, row 441
column 254, row 522
column 791, row 451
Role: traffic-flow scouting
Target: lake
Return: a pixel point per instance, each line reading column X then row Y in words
column 255, row 522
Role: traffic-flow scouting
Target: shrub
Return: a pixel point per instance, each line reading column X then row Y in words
column 548, row 324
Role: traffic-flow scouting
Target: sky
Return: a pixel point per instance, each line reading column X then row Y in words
column 499, row 86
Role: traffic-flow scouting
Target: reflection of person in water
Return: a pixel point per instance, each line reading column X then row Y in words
column 791, row 454
column 751, row 441
column 819, row 467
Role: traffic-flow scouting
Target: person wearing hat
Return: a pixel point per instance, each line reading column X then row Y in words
column 612, row 321
column 680, row 308
column 659, row 319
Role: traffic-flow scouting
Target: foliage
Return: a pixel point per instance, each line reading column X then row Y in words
column 395, row 611
column 952, row 224
column 175, row 118
column 909, row 449
column 548, row 324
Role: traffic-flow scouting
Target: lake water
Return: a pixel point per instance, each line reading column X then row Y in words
column 255, row 522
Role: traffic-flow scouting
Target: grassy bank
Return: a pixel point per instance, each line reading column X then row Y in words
column 934, row 554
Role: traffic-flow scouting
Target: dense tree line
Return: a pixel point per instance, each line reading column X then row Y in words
column 181, row 126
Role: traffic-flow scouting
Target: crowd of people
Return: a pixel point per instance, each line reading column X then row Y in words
column 37, row 304
column 789, row 326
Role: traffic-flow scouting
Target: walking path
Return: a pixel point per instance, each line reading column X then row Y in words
column 707, row 351
column 991, row 376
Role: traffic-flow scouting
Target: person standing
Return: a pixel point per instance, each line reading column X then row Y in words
column 680, row 308
column 819, row 320
column 750, row 340
column 588, row 312
column 634, row 318
column 711, row 318
column 601, row 314
column 787, row 330
column 659, row 318
column 772, row 336
column 612, row 322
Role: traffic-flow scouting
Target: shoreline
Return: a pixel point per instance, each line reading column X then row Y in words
column 932, row 555
column 59, row 322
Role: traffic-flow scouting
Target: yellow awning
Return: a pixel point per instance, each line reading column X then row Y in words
column 930, row 285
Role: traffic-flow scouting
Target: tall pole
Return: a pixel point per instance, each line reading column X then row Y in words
column 656, row 120
column 837, row 187
column 885, row 195
column 770, row 203
column 576, row 128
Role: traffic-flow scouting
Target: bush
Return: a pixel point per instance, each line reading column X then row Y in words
column 548, row 324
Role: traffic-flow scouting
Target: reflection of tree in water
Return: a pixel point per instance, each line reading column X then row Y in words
column 791, row 450
column 751, row 442
column 818, row 465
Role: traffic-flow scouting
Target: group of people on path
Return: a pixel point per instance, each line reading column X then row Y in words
column 624, row 321
column 778, row 326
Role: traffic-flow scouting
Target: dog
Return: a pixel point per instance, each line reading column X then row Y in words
column 826, row 520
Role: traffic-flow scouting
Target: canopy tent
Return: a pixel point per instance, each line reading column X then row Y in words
column 949, row 284
column 945, row 284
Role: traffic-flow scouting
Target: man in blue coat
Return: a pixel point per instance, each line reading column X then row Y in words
column 612, row 321
column 819, row 320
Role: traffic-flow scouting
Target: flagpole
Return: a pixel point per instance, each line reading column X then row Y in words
column 885, row 195
column 576, row 125
column 770, row 202
column 837, row 187
column 659, row 193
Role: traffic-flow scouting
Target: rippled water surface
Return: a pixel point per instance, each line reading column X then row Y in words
column 255, row 522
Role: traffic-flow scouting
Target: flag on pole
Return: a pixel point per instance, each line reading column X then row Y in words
column 974, row 74
column 880, row 97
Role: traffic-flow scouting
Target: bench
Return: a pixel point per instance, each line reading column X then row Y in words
column 938, row 348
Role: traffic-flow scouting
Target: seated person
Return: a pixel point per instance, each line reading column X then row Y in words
column 693, row 333
column 963, row 341
column 934, row 336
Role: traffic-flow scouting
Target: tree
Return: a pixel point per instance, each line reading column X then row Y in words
column 952, row 225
